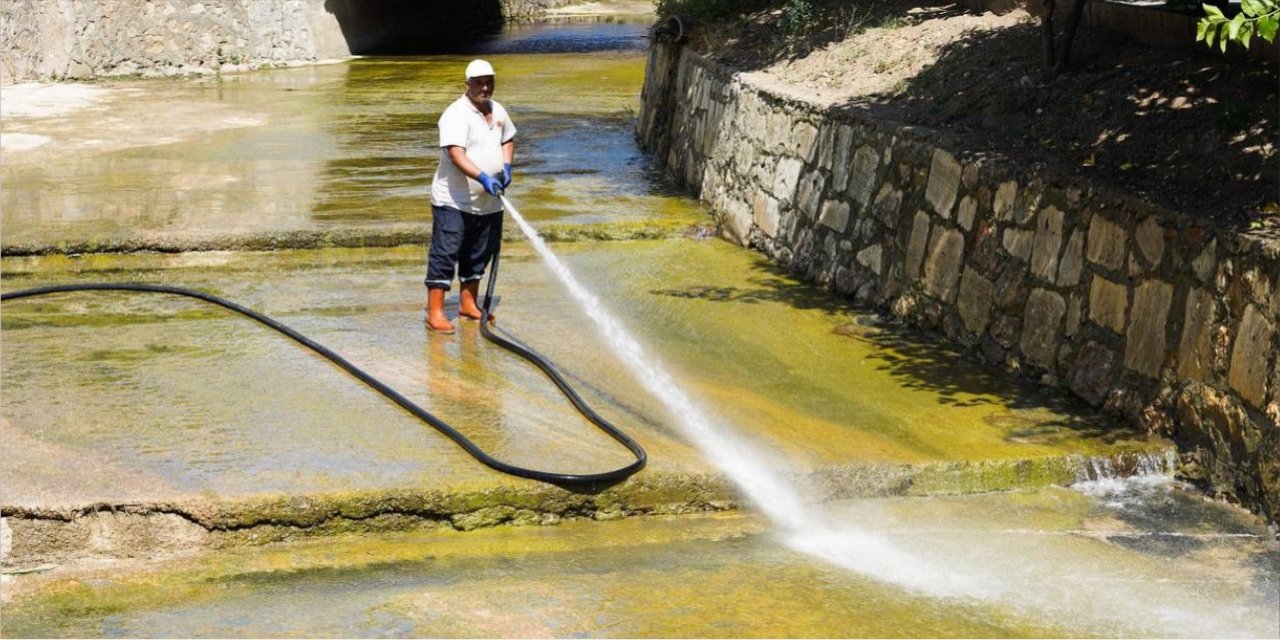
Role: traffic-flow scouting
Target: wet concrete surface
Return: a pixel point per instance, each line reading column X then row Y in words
column 1050, row 563
column 192, row 399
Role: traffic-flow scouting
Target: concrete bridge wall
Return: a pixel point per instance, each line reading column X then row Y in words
column 83, row 39
column 1137, row 309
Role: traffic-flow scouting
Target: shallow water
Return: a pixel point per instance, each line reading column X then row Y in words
column 580, row 34
column 341, row 145
column 147, row 381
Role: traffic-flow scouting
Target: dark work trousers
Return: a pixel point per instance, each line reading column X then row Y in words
column 465, row 240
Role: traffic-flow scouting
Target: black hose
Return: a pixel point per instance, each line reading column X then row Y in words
column 586, row 480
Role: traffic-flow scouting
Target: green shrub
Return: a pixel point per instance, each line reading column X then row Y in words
column 797, row 18
column 709, row 10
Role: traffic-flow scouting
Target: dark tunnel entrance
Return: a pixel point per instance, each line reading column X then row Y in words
column 409, row 27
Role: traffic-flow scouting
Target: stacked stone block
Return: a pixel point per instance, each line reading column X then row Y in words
column 1139, row 310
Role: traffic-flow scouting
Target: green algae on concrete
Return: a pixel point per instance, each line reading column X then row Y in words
column 302, row 450
column 1053, row 563
column 770, row 364
column 41, row 535
column 347, row 238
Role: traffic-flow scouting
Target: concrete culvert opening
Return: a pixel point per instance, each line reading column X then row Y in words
column 410, row 27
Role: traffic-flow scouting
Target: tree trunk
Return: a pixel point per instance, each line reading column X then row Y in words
column 1073, row 21
column 1046, row 34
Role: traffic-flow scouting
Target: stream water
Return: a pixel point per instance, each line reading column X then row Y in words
column 714, row 358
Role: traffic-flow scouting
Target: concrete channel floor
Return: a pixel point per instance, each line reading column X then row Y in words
column 1106, row 559
column 158, row 400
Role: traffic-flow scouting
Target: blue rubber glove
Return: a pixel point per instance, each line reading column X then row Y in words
column 506, row 175
column 491, row 186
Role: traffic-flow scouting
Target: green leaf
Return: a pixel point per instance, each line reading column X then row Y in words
column 1233, row 27
column 1250, row 8
column 1267, row 28
column 1246, row 34
column 1213, row 11
column 1201, row 28
column 1222, row 41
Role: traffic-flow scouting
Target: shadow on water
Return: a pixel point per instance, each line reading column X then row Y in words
column 569, row 36
column 919, row 361
column 772, row 283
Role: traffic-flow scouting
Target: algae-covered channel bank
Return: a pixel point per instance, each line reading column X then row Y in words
column 172, row 470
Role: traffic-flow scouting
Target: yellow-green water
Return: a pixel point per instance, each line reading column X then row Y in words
column 349, row 145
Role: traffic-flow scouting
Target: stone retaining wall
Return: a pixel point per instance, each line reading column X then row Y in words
column 1127, row 306
column 82, row 39
column 518, row 10
column 79, row 39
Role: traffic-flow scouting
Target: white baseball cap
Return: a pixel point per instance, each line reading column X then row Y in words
column 479, row 68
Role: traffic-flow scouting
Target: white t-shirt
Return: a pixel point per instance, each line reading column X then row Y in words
column 462, row 125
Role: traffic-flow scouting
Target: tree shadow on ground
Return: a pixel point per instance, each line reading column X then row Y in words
column 1186, row 129
column 919, row 361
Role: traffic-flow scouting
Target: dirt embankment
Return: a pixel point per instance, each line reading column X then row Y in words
column 1186, row 129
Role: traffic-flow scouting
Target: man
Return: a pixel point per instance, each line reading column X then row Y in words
column 477, row 143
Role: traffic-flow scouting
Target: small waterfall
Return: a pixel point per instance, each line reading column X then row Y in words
column 1124, row 465
column 1121, row 479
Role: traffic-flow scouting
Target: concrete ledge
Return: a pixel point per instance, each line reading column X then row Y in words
column 346, row 238
column 35, row 535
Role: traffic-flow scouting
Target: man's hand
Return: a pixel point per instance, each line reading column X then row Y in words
column 506, row 175
column 491, row 186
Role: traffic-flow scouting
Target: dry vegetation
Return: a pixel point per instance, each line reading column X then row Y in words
column 1187, row 129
